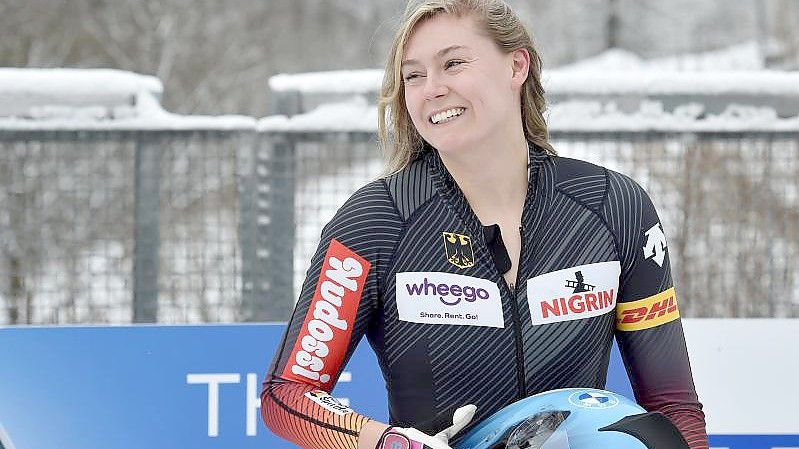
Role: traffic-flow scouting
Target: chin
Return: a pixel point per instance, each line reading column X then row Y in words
column 449, row 144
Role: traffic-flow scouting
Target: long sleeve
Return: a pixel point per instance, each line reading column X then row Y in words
column 335, row 308
column 648, row 326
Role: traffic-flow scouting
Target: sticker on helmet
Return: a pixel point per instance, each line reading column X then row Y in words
column 593, row 399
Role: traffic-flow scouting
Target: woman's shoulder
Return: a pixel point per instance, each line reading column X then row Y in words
column 410, row 187
column 595, row 185
column 366, row 220
column 370, row 197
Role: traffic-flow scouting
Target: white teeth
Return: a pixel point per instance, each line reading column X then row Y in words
column 446, row 115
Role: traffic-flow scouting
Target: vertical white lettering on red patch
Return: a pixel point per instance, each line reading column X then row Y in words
column 325, row 334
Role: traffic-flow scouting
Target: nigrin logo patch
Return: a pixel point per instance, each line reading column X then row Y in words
column 566, row 295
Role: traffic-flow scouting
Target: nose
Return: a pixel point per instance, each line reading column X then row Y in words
column 434, row 88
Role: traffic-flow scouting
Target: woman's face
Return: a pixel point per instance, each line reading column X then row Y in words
column 461, row 90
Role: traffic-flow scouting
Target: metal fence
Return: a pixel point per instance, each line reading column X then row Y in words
column 122, row 226
column 218, row 226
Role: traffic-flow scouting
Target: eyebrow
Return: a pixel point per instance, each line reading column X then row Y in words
column 441, row 53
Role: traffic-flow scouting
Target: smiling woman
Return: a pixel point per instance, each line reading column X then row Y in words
column 463, row 98
column 424, row 262
column 484, row 36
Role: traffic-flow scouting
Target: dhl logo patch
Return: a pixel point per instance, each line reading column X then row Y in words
column 648, row 312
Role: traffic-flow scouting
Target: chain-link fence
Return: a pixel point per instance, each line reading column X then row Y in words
column 729, row 203
column 218, row 226
column 122, row 226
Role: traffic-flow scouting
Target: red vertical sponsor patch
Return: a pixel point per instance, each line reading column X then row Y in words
column 322, row 343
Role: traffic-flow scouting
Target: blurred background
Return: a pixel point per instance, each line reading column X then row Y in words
column 214, row 57
column 190, row 184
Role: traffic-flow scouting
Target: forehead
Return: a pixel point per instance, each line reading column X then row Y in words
column 443, row 31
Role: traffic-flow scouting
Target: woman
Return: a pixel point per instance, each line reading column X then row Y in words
column 483, row 268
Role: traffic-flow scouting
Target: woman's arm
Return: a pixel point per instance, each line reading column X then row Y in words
column 648, row 327
column 338, row 302
column 319, row 339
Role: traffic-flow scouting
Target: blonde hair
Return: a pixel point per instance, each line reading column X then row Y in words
column 399, row 138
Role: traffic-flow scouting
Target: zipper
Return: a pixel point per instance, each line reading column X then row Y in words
column 517, row 324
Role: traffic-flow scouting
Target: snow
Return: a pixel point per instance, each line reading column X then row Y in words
column 745, row 56
column 74, row 86
column 341, row 81
column 591, row 95
column 353, row 115
column 598, row 116
column 650, row 82
column 94, row 99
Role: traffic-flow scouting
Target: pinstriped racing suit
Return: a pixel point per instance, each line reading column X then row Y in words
column 406, row 263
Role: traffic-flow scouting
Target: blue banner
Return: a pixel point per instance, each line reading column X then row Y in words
column 174, row 386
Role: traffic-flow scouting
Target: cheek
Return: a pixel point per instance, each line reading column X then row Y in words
column 413, row 105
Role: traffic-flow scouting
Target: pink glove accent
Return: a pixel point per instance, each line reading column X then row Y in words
column 394, row 440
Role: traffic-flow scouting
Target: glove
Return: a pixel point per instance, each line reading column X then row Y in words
column 410, row 438
column 460, row 419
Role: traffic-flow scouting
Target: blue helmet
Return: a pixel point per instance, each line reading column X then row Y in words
column 574, row 418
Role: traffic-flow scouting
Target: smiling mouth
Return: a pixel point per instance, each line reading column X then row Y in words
column 446, row 116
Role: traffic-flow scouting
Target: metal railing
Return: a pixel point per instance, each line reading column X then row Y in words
column 219, row 226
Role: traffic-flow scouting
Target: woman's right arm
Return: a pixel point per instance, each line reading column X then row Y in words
column 295, row 401
column 337, row 304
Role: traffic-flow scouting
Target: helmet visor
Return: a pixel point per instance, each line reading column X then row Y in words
column 540, row 431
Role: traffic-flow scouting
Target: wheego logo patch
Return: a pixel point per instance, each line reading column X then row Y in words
column 447, row 298
column 449, row 294
column 322, row 343
column 648, row 312
column 573, row 293
column 459, row 249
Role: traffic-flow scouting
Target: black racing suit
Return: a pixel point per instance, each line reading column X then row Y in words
column 407, row 263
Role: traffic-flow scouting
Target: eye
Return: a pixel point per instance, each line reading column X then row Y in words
column 411, row 77
column 453, row 63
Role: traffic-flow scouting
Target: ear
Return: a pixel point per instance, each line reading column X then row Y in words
column 520, row 59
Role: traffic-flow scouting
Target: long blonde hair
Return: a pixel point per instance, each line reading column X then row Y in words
column 399, row 138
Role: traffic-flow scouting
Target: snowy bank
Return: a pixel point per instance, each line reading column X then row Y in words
column 94, row 99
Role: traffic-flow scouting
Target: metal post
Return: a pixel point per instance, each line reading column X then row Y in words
column 253, row 289
column 147, row 228
column 275, row 236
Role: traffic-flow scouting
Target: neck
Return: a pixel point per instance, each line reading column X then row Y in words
column 493, row 179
